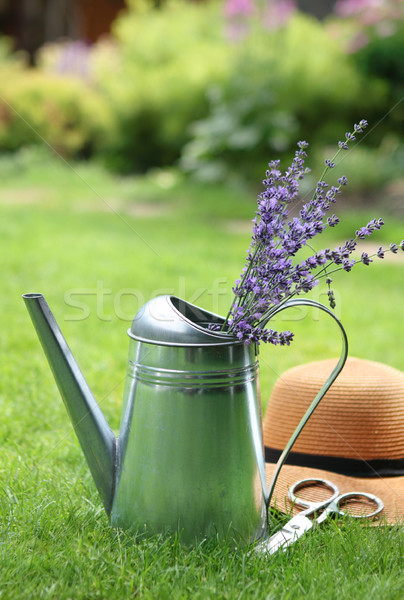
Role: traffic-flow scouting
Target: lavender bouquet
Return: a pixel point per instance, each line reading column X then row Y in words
column 272, row 275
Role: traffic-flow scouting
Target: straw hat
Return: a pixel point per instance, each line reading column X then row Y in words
column 355, row 438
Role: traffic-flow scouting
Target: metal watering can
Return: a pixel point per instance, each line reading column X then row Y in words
column 189, row 457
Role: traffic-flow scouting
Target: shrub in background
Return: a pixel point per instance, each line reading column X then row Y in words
column 47, row 106
column 220, row 87
column 130, row 98
column 289, row 83
column 62, row 112
column 164, row 61
column 373, row 33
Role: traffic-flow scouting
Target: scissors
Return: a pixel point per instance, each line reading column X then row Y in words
column 333, row 505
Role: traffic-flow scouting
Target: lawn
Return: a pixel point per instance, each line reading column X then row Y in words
column 98, row 247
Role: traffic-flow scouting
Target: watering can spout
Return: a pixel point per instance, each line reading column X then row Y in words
column 96, row 438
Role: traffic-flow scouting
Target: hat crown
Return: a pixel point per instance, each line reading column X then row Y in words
column 361, row 416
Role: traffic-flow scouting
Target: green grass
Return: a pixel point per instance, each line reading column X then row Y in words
column 59, row 236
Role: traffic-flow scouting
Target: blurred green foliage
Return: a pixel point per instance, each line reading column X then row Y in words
column 167, row 59
column 170, row 87
column 52, row 108
column 290, row 84
column 57, row 110
column 383, row 59
column 372, row 33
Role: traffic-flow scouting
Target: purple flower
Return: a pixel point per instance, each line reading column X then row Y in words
column 362, row 233
column 331, row 299
column 365, row 258
column 333, row 221
column 373, row 225
column 271, row 274
column 347, row 264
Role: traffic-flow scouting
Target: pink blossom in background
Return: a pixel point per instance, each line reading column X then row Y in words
column 277, row 13
column 349, row 8
column 235, row 8
column 238, row 14
column 370, row 12
column 379, row 17
column 271, row 13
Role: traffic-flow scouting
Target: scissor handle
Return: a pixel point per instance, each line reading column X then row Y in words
column 310, row 505
column 335, row 505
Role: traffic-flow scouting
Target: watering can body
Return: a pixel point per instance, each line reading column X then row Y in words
column 189, row 457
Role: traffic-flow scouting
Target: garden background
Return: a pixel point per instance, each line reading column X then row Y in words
column 130, row 167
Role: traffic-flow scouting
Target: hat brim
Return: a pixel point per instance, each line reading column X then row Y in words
column 389, row 489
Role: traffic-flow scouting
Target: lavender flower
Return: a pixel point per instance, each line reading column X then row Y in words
column 365, row 258
column 272, row 273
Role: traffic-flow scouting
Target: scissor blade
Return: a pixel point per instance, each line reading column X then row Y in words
column 286, row 536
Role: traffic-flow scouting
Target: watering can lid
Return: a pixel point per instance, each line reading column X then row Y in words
column 167, row 320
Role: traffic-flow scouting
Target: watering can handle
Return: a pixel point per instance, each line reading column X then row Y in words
column 321, row 393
